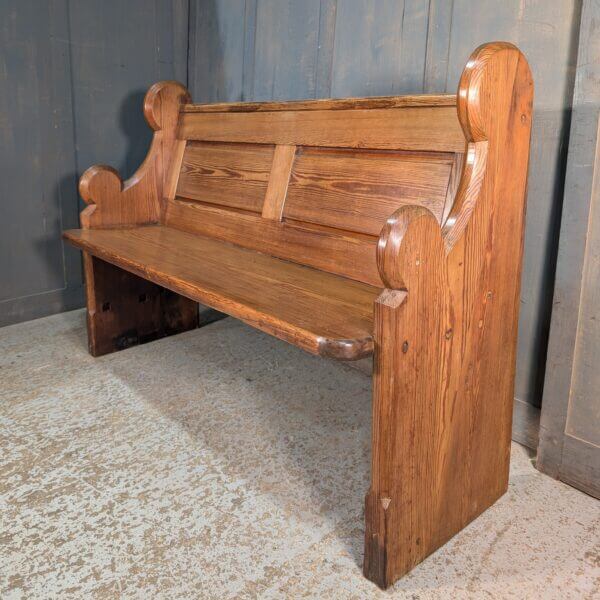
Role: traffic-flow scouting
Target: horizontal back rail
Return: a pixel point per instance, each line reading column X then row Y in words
column 314, row 181
column 343, row 253
column 326, row 104
column 420, row 128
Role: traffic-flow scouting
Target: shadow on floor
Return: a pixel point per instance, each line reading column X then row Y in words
column 244, row 397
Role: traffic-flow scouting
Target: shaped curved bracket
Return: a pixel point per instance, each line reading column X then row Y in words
column 494, row 104
column 113, row 202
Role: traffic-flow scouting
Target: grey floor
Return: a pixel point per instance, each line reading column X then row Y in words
column 222, row 463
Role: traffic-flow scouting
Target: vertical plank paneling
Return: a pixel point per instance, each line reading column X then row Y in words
column 546, row 31
column 413, row 46
column 118, row 50
column 250, row 8
column 583, row 420
column 216, row 56
column 438, row 45
column 37, row 162
column 326, row 39
column 569, row 445
column 285, row 61
column 73, row 76
column 379, row 47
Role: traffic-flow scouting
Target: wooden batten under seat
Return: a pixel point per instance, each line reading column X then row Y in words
column 385, row 227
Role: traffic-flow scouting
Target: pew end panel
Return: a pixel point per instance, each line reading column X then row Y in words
column 445, row 331
column 124, row 310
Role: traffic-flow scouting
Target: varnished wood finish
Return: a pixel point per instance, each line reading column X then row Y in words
column 233, row 175
column 278, row 182
column 322, row 313
column 453, row 183
column 445, row 333
column 391, row 226
column 173, row 174
column 358, row 190
column 124, row 310
column 430, row 128
column 343, row 253
column 327, row 104
column 113, row 202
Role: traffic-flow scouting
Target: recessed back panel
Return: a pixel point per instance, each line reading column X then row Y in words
column 357, row 190
column 314, row 182
column 234, row 175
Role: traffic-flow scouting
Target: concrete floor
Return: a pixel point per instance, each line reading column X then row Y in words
column 222, row 463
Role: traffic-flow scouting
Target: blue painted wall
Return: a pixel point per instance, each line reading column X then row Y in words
column 72, row 80
column 73, row 76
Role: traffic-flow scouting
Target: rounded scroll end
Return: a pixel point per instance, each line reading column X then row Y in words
column 99, row 181
column 396, row 241
column 487, row 86
column 162, row 103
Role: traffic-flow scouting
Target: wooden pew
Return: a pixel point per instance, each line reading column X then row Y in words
column 390, row 227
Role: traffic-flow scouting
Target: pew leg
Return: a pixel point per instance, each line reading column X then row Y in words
column 124, row 310
column 441, row 449
column 403, row 520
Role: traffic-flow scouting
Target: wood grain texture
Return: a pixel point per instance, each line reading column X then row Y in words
column 443, row 330
column 358, row 191
column 173, row 173
column 360, row 46
column 445, row 333
column 552, row 53
column 125, row 310
column 334, row 251
column 326, row 104
column 278, row 182
column 138, row 200
column 408, row 128
column 322, row 313
column 454, row 180
column 234, row 175
column 128, row 320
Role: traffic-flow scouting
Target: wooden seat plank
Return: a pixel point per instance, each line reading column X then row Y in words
column 322, row 313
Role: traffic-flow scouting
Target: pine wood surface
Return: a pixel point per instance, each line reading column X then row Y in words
column 327, row 104
column 386, row 226
column 322, row 313
column 433, row 128
column 445, row 333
